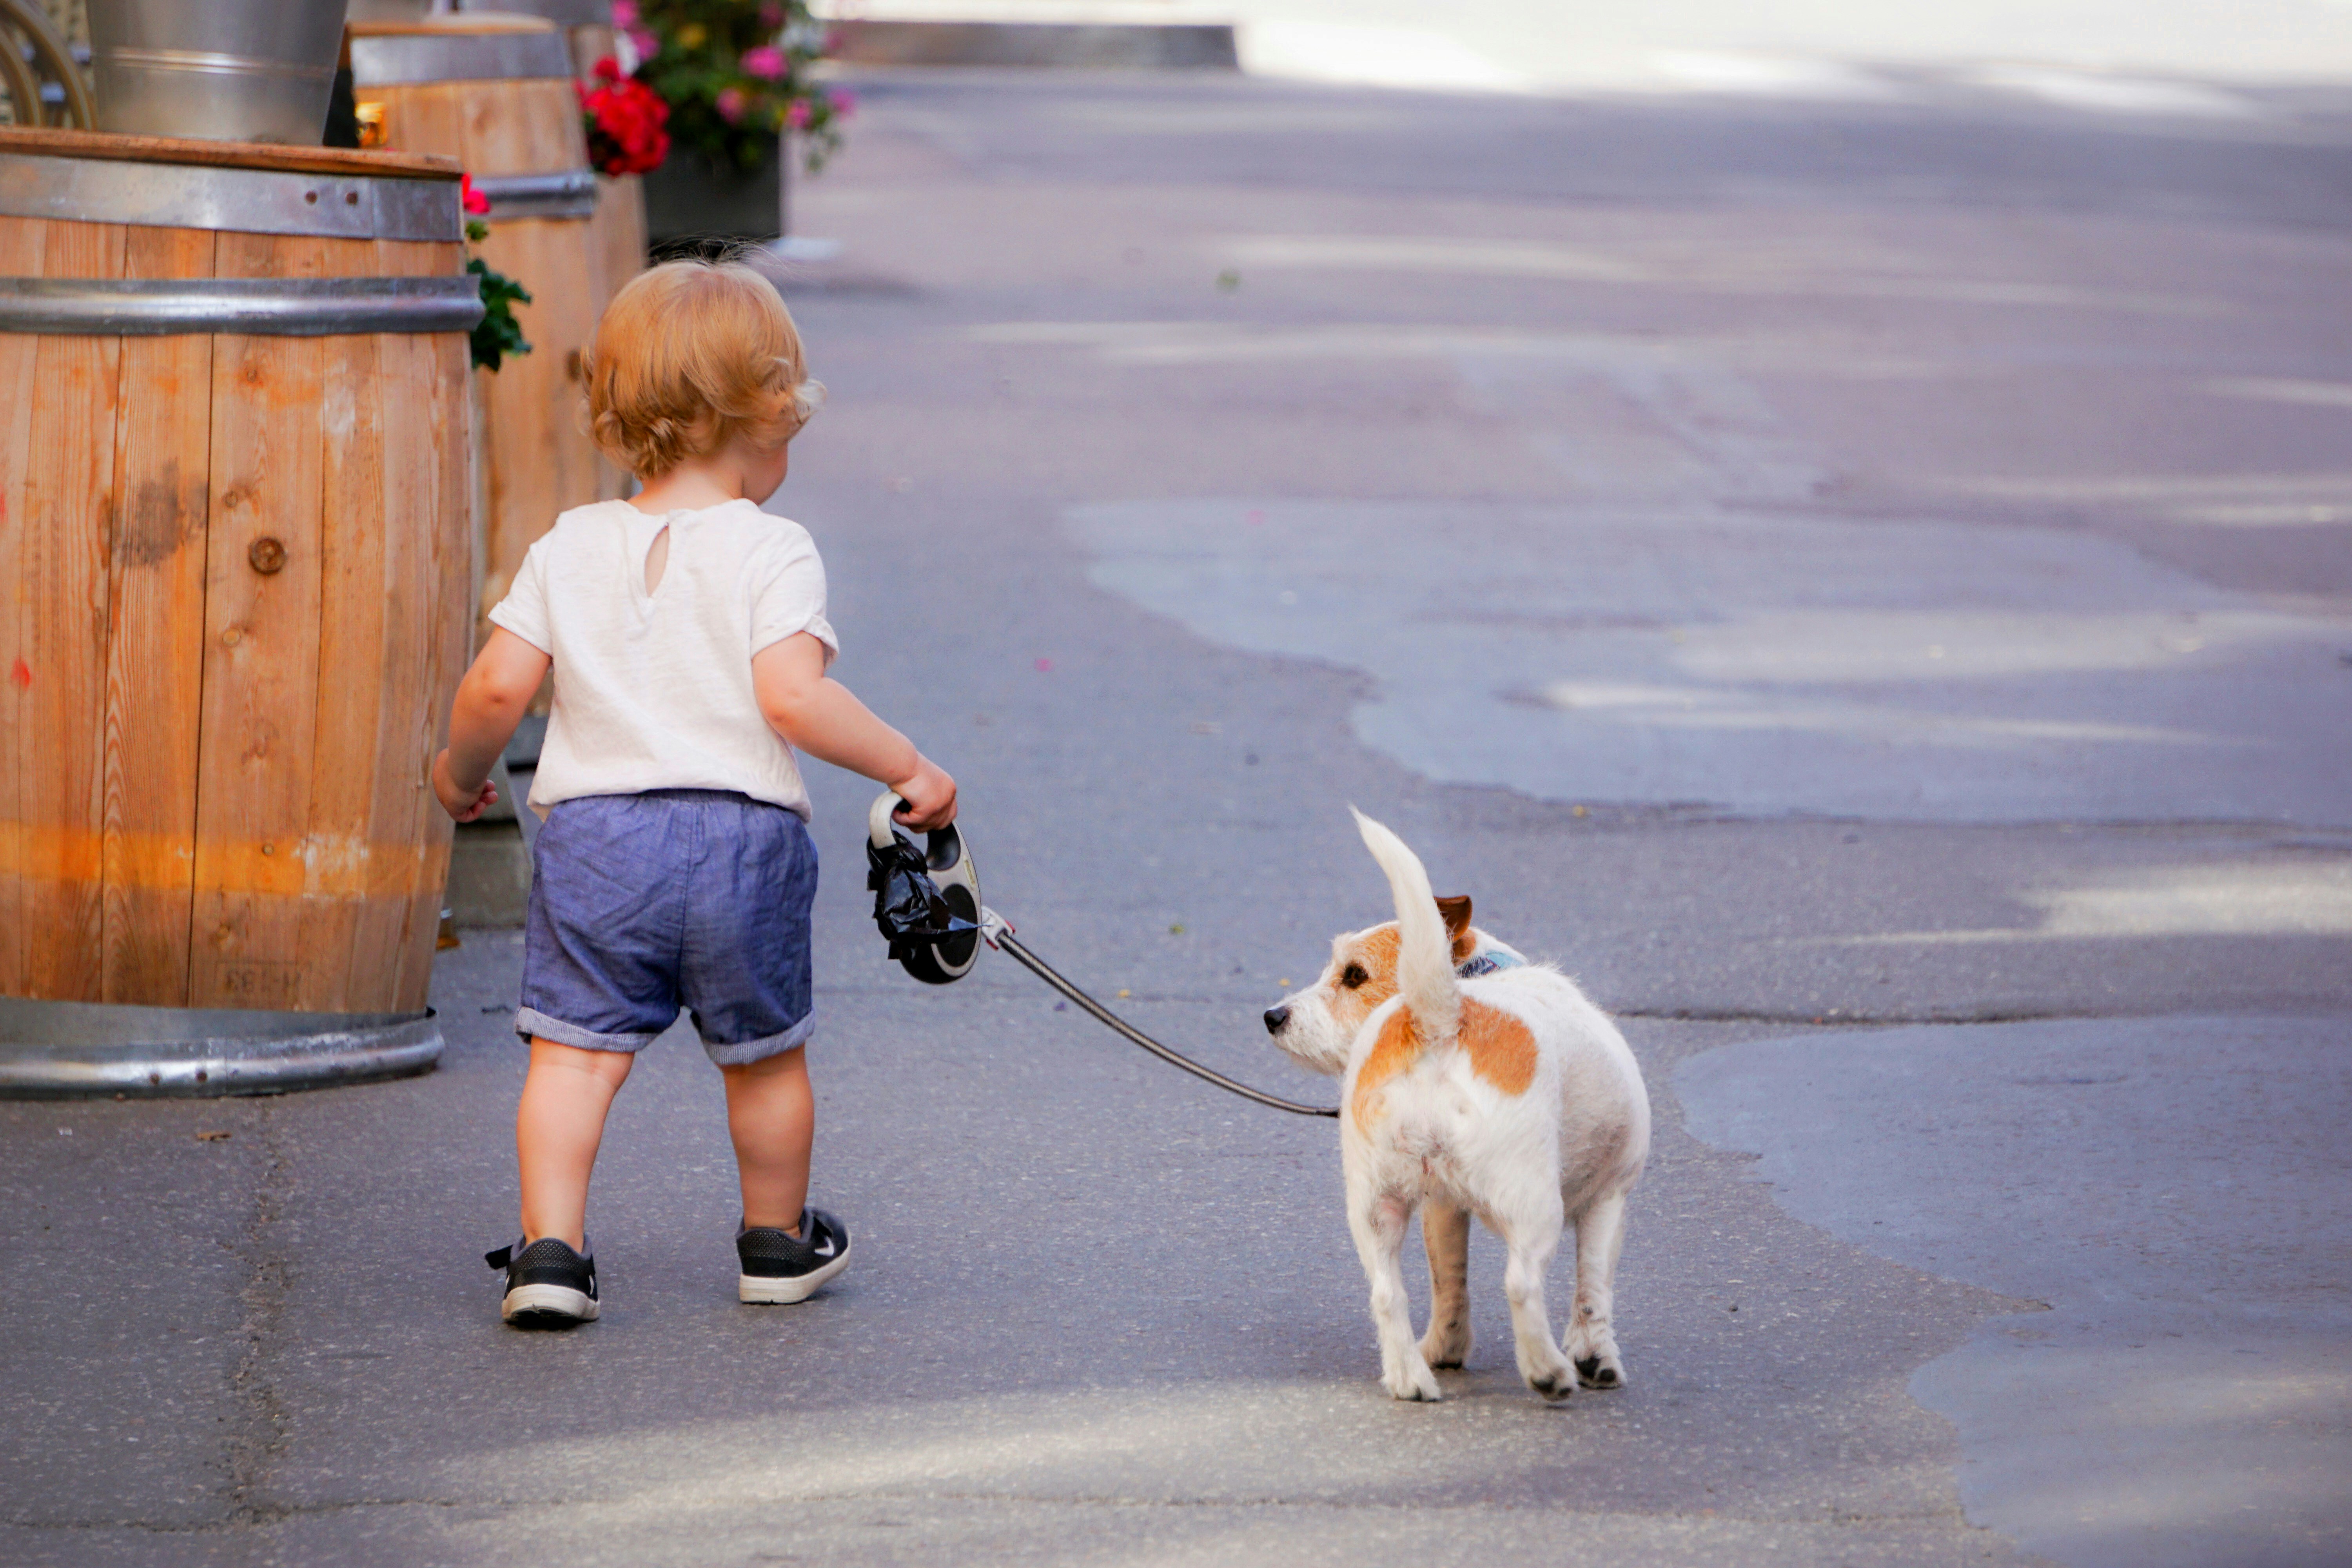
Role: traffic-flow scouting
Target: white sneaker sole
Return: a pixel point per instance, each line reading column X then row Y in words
column 548, row 1302
column 765, row 1290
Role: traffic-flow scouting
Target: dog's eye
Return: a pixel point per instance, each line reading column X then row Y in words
column 1353, row 976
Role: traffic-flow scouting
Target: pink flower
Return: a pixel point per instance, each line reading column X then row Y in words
column 730, row 104
column 796, row 114
column 646, row 41
column 472, row 200
column 844, row 102
column 766, row 62
column 624, row 13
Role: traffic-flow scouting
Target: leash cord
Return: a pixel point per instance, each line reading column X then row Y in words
column 1000, row 936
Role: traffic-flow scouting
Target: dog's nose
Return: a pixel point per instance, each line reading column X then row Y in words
column 1275, row 1017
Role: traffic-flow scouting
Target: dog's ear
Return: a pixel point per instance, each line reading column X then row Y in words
column 1456, row 913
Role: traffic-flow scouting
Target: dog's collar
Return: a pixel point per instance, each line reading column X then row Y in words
column 1487, row 963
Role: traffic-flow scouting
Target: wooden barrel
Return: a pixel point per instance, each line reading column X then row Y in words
column 496, row 94
column 234, row 522
column 620, row 220
column 621, row 235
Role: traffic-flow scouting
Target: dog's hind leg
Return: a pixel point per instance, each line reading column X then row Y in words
column 1378, row 1222
column 1446, row 1236
column 1534, row 1241
column 1591, row 1342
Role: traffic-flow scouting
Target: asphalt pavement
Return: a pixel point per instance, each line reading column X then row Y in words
column 1863, row 584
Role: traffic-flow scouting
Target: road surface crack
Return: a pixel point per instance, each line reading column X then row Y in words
column 258, row 1437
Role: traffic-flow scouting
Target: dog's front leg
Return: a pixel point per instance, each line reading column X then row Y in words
column 1378, row 1220
column 1446, row 1236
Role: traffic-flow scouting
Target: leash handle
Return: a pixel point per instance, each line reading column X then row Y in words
column 998, row 932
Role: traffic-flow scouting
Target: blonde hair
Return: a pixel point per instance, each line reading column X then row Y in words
column 688, row 355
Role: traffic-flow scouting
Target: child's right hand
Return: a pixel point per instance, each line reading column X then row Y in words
column 460, row 805
column 929, row 795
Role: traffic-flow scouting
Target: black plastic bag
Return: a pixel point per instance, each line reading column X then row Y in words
column 910, row 910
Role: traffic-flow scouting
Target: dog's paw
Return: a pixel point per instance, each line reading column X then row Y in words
column 1554, row 1385
column 1601, row 1371
column 1547, row 1372
column 1414, row 1385
column 1445, row 1349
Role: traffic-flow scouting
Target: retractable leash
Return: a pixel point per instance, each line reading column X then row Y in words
column 927, row 906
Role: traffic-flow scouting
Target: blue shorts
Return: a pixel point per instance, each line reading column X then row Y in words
column 641, row 904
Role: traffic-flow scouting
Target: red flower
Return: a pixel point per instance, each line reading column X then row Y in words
column 624, row 122
column 472, row 200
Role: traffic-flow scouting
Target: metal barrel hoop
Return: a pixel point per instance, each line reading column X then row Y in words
column 58, row 1051
column 248, row 201
column 571, row 193
column 407, row 59
column 260, row 306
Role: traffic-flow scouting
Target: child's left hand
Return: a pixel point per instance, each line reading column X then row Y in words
column 461, row 806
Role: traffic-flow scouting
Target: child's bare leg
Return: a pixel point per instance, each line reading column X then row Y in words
column 771, row 1115
column 557, row 1127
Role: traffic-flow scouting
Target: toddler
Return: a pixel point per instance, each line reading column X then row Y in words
column 686, row 629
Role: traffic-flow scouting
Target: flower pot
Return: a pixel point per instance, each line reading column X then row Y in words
column 688, row 201
column 221, row 70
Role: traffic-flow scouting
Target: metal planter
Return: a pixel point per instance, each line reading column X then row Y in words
column 689, row 201
column 221, row 70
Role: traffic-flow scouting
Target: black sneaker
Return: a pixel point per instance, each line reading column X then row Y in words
column 778, row 1266
column 549, row 1286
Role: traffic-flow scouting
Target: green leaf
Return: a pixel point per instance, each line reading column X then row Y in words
column 498, row 333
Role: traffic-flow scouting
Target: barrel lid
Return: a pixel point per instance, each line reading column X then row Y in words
column 273, row 157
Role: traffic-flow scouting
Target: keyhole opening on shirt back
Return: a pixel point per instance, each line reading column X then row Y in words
column 656, row 560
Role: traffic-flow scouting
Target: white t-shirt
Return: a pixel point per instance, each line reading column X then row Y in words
column 654, row 691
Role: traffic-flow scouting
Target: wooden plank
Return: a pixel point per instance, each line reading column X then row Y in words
column 620, row 242
column 353, row 683
column 114, row 146
column 521, row 127
column 402, row 737
column 67, row 507
column 620, row 224
column 426, row 489
column 261, row 629
column 21, row 245
column 424, row 118
column 452, row 640
column 155, row 651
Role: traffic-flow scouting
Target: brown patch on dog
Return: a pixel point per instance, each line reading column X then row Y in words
column 1376, row 952
column 1395, row 1052
column 1502, row 1050
column 1456, row 913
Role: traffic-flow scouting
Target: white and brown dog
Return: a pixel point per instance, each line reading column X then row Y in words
column 1473, row 1083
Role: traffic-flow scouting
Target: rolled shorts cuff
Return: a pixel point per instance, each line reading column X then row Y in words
column 743, row 1053
column 530, row 1021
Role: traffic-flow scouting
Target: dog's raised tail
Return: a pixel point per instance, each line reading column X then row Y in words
column 1425, row 976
